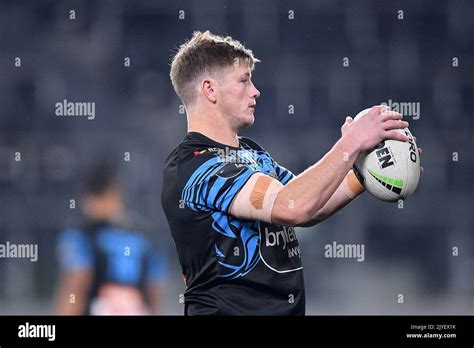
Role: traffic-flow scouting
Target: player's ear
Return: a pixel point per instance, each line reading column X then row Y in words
column 208, row 89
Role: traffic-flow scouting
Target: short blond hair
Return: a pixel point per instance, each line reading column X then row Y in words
column 205, row 53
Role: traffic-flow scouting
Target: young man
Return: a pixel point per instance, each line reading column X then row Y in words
column 231, row 208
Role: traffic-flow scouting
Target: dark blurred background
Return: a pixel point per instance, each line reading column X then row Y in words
column 423, row 54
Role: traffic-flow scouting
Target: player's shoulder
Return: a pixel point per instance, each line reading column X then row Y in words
column 252, row 144
column 194, row 148
column 72, row 235
column 198, row 152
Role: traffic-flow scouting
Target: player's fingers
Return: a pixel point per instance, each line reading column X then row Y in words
column 378, row 109
column 381, row 108
column 394, row 135
column 420, row 152
column 391, row 115
column 349, row 119
column 392, row 124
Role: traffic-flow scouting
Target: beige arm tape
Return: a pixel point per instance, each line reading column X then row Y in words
column 255, row 200
column 351, row 186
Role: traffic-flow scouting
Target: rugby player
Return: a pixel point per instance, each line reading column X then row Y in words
column 230, row 206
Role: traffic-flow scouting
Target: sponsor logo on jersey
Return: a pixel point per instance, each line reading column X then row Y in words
column 197, row 152
column 279, row 248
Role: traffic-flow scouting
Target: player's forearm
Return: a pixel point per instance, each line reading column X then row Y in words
column 348, row 190
column 309, row 192
column 64, row 304
column 72, row 293
column 154, row 295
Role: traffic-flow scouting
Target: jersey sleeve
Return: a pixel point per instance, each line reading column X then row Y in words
column 283, row 175
column 214, row 183
column 74, row 251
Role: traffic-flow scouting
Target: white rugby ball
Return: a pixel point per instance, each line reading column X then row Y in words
column 390, row 171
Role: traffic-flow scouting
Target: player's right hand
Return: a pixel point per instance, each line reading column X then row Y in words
column 377, row 125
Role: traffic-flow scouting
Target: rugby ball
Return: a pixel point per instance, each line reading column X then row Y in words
column 391, row 170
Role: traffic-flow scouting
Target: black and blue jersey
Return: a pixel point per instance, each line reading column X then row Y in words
column 231, row 266
column 116, row 254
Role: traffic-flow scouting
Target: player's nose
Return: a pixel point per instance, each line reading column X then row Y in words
column 255, row 92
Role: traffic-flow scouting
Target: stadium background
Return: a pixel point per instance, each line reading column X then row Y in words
column 407, row 251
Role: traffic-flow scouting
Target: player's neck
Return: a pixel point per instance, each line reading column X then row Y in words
column 214, row 127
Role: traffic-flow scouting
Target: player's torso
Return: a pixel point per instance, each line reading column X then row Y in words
column 232, row 265
column 120, row 259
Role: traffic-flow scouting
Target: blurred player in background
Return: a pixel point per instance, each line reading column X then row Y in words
column 109, row 266
column 231, row 208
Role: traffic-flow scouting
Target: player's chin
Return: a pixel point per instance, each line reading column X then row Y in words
column 248, row 120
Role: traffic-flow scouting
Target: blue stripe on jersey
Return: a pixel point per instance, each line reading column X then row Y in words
column 74, row 250
column 221, row 224
column 214, row 191
column 124, row 253
column 195, row 192
column 227, row 265
column 236, row 186
column 250, row 242
column 205, row 174
column 221, row 198
column 218, row 252
column 205, row 170
column 286, row 177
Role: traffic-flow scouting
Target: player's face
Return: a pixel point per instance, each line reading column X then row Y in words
column 103, row 206
column 237, row 96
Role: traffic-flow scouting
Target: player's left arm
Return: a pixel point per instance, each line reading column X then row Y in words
column 76, row 261
column 73, row 284
column 349, row 189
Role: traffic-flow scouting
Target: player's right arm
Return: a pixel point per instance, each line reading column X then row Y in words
column 76, row 273
column 71, row 298
column 298, row 202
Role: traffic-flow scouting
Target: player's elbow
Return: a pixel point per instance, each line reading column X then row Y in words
column 291, row 215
